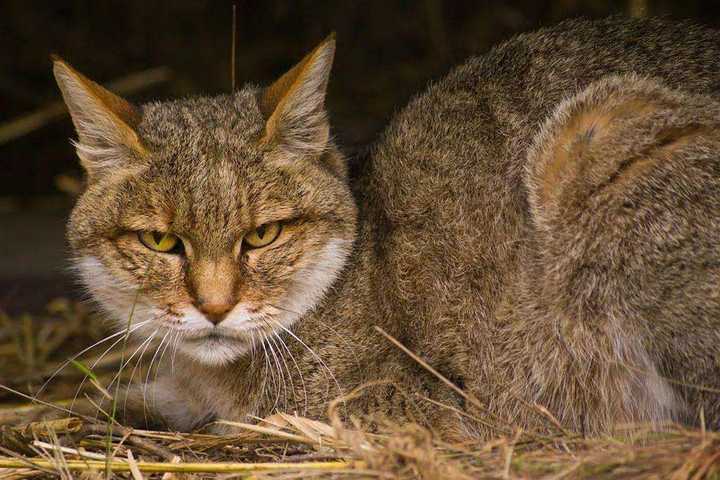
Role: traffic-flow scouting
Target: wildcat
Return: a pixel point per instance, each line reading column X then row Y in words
column 540, row 226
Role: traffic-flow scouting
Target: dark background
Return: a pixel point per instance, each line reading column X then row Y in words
column 386, row 51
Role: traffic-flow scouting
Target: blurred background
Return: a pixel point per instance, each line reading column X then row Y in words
column 387, row 51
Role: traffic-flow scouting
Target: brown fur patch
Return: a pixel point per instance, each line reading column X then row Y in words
column 584, row 129
column 668, row 143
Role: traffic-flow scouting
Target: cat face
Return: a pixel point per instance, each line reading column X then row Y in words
column 210, row 223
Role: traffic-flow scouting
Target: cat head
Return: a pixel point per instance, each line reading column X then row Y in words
column 213, row 222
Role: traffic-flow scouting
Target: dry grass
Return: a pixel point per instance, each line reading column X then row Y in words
column 284, row 446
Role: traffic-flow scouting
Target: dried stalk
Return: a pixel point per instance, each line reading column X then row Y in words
column 160, row 467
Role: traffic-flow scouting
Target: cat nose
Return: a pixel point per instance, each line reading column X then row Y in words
column 215, row 312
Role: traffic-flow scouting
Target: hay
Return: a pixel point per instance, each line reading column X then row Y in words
column 288, row 446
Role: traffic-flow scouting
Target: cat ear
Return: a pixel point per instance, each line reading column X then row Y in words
column 294, row 105
column 105, row 123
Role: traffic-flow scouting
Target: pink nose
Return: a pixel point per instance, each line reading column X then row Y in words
column 215, row 312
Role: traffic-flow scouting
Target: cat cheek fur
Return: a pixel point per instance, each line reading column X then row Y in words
column 310, row 282
column 102, row 285
column 117, row 298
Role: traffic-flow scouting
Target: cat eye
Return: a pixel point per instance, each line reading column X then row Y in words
column 263, row 236
column 160, row 241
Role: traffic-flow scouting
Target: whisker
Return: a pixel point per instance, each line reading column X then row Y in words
column 176, row 342
column 268, row 365
column 292, row 358
column 145, row 342
column 157, row 369
column 120, row 370
column 95, row 363
column 77, row 355
column 278, row 356
column 253, row 348
column 277, row 307
column 312, row 352
column 264, row 376
column 137, row 364
column 147, row 376
column 252, row 345
column 324, row 325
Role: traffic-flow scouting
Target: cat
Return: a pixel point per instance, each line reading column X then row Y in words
column 540, row 227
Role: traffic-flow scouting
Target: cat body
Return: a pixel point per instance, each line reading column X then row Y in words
column 540, row 227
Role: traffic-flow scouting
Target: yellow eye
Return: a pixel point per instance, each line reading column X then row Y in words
column 264, row 235
column 159, row 241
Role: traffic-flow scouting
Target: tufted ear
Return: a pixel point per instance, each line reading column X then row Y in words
column 105, row 123
column 294, row 105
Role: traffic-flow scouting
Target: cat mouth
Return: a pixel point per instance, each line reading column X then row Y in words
column 215, row 347
column 216, row 335
column 211, row 336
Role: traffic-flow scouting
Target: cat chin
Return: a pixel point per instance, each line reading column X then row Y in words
column 214, row 352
